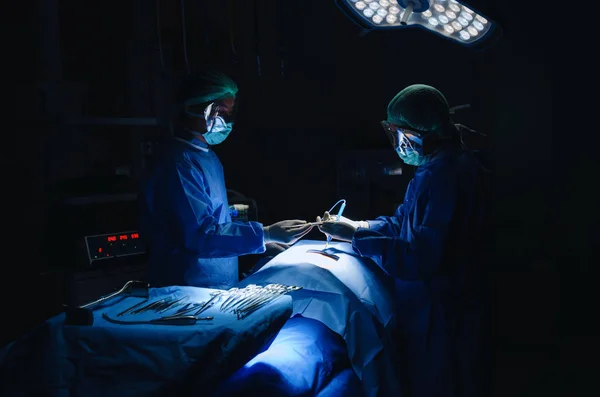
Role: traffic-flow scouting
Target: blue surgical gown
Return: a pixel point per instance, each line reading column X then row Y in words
column 430, row 246
column 186, row 221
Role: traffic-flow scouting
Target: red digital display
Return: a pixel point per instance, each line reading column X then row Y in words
column 117, row 245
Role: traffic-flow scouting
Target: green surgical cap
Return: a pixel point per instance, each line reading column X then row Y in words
column 420, row 107
column 206, row 86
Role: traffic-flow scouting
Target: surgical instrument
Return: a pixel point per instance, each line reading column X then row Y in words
column 189, row 307
column 260, row 294
column 148, row 307
column 232, row 294
column 271, row 292
column 167, row 320
column 339, row 215
column 252, row 308
column 238, row 295
column 82, row 315
column 159, row 306
column 324, row 253
column 132, row 308
column 210, row 302
column 204, row 308
column 256, row 303
column 138, row 289
column 173, row 303
column 246, row 300
column 315, row 223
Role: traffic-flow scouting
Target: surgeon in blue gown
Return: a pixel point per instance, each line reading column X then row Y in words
column 432, row 247
column 185, row 213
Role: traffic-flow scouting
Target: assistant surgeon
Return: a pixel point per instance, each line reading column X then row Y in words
column 185, row 213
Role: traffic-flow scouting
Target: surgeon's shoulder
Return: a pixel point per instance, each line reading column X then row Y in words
column 173, row 160
column 175, row 152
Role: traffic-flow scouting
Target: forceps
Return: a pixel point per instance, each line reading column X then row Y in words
column 132, row 307
column 210, row 302
column 171, row 304
column 167, row 320
column 271, row 292
column 189, row 307
column 237, row 295
column 148, row 307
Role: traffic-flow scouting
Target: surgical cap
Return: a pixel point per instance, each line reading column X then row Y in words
column 421, row 107
column 206, row 86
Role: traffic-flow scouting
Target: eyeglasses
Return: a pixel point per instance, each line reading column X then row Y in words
column 391, row 133
column 403, row 138
column 217, row 109
column 396, row 135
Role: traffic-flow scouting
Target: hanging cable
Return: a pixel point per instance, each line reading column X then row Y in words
column 159, row 35
column 453, row 109
column 183, row 34
column 231, row 29
column 462, row 128
column 282, row 37
column 256, row 36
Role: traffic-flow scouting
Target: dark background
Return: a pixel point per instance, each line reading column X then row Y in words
column 103, row 59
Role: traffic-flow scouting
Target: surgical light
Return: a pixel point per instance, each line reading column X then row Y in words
column 448, row 18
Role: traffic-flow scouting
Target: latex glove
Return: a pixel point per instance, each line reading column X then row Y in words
column 338, row 230
column 274, row 249
column 332, row 218
column 286, row 232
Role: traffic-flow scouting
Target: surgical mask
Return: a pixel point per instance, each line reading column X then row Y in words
column 412, row 158
column 410, row 150
column 217, row 130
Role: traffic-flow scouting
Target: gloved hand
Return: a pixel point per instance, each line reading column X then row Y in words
column 286, row 232
column 274, row 249
column 342, row 230
column 332, row 218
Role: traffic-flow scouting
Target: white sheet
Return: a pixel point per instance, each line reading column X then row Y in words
column 352, row 296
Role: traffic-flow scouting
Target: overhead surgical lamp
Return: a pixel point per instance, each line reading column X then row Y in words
column 448, row 18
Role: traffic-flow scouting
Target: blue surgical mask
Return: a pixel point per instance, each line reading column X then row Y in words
column 410, row 150
column 411, row 157
column 217, row 130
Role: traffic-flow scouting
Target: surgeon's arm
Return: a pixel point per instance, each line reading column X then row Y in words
column 195, row 225
column 414, row 250
column 388, row 225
